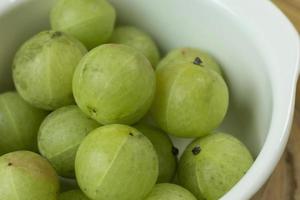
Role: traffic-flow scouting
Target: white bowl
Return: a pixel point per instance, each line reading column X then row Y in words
column 254, row 41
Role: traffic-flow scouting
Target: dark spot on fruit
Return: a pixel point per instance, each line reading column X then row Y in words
column 197, row 61
column 196, row 150
column 175, row 151
column 56, row 34
column 10, row 164
column 131, row 134
column 183, row 52
column 92, row 110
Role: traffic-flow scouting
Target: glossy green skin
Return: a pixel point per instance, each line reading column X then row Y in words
column 163, row 146
column 19, row 123
column 190, row 100
column 26, row 175
column 167, row 191
column 73, row 195
column 188, row 55
column 43, row 69
column 116, row 162
column 90, row 21
column 136, row 38
column 60, row 136
column 220, row 164
column 114, row 84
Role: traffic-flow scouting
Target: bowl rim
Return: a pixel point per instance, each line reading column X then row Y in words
column 278, row 134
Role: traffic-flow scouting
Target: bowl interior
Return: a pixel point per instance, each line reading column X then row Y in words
column 204, row 24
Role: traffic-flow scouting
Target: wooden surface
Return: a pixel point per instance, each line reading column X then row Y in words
column 284, row 184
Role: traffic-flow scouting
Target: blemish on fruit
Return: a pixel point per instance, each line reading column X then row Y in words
column 131, row 134
column 56, row 34
column 92, row 110
column 9, row 164
column 196, row 150
column 197, row 61
column 175, row 151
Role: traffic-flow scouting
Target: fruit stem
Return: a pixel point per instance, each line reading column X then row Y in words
column 196, row 150
column 197, row 61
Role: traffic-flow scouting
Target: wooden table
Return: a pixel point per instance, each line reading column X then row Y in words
column 284, row 184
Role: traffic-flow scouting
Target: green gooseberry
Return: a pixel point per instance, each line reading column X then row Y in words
column 116, row 162
column 212, row 165
column 190, row 100
column 28, row 176
column 114, row 84
column 90, row 21
column 167, row 191
column 167, row 153
column 19, row 123
column 60, row 136
column 43, row 69
column 188, row 55
column 138, row 39
column 73, row 195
